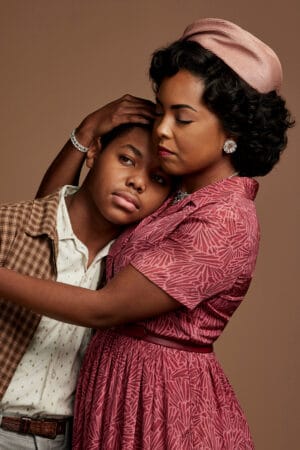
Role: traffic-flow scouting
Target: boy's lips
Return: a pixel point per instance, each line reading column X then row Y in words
column 126, row 200
column 163, row 151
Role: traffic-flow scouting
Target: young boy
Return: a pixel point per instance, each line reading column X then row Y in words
column 65, row 236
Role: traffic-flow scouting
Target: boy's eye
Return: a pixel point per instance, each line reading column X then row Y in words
column 159, row 179
column 126, row 160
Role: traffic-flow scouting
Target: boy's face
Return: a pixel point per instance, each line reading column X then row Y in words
column 126, row 182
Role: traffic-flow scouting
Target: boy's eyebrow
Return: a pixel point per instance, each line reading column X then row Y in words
column 135, row 150
column 177, row 106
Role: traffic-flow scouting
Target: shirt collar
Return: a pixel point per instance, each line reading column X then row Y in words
column 42, row 218
column 64, row 226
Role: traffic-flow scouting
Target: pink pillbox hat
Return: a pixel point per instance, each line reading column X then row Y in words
column 255, row 62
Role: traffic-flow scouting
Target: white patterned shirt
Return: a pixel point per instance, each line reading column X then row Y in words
column 45, row 380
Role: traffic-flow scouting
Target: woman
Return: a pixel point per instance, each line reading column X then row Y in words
column 177, row 277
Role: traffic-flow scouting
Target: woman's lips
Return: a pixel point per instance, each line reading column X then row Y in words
column 164, row 152
column 126, row 201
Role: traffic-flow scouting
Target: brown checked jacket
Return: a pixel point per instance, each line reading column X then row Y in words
column 28, row 244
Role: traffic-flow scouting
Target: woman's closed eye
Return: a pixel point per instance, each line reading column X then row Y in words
column 178, row 119
column 183, row 117
column 183, row 121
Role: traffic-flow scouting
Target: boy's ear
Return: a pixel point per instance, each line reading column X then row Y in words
column 92, row 154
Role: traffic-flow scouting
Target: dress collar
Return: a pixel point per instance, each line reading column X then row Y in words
column 246, row 187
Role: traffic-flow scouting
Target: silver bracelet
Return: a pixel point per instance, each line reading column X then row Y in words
column 77, row 144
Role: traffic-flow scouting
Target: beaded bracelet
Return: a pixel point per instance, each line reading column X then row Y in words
column 77, row 144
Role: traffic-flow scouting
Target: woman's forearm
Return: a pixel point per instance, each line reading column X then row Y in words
column 128, row 297
column 64, row 169
column 56, row 300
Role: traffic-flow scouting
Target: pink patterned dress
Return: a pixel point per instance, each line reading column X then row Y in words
column 134, row 394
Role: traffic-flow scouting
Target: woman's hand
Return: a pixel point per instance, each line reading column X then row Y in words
column 66, row 167
column 123, row 110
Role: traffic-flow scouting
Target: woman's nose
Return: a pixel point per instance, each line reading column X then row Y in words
column 162, row 127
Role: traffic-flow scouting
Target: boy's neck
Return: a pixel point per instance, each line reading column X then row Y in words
column 91, row 228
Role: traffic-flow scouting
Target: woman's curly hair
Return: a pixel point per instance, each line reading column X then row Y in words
column 258, row 122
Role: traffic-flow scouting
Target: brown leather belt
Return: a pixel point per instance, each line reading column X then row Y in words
column 48, row 428
column 140, row 332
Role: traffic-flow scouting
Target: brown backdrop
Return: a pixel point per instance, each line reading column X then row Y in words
column 61, row 59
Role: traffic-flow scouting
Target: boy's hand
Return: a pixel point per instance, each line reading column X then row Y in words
column 123, row 110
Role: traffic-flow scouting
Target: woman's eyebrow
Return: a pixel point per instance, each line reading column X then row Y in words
column 177, row 106
column 134, row 149
column 182, row 105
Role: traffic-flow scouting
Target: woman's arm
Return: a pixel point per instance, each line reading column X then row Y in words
column 128, row 297
column 66, row 167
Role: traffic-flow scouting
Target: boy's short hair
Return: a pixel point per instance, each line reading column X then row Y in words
column 122, row 129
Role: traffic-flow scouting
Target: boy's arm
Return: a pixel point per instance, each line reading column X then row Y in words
column 66, row 167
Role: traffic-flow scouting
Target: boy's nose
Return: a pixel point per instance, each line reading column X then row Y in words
column 137, row 182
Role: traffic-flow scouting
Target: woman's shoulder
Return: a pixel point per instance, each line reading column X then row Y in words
column 237, row 191
column 224, row 214
column 231, row 199
column 243, row 189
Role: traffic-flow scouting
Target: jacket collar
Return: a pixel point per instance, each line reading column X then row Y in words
column 43, row 215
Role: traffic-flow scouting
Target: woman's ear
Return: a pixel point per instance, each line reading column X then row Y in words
column 92, row 154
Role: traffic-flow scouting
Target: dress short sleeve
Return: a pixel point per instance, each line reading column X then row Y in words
column 201, row 258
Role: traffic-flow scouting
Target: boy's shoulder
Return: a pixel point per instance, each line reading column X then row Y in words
column 16, row 213
column 11, row 213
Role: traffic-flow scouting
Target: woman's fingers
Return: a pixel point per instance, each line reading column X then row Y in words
column 125, row 109
column 132, row 98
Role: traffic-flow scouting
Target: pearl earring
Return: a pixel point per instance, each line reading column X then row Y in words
column 229, row 146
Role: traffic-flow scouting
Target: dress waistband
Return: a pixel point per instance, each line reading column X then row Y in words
column 140, row 332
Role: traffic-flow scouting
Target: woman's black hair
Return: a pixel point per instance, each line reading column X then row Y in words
column 257, row 122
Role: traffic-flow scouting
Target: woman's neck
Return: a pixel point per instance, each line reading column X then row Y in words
column 193, row 182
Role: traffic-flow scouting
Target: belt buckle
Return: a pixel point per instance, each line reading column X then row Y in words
column 25, row 425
